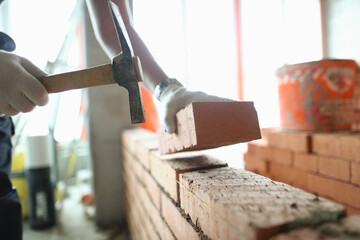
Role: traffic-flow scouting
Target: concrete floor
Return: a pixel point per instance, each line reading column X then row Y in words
column 74, row 224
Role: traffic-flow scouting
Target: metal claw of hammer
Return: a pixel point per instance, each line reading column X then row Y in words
column 125, row 70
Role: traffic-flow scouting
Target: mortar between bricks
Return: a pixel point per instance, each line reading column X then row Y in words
column 203, row 236
column 163, row 189
column 188, row 219
column 229, row 211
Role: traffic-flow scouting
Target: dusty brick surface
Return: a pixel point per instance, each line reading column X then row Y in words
column 143, row 216
column 299, row 234
column 239, row 203
column 345, row 193
column 205, row 125
column 355, row 173
column 352, row 211
column 136, row 216
column 166, row 169
column 143, row 149
column 282, row 156
column 294, row 177
column 336, row 190
column 265, row 133
column 306, row 161
column 297, row 141
column 260, row 148
column 334, row 167
column 158, row 223
column 345, row 229
column 177, row 222
column 337, row 144
column 153, row 189
column 131, row 163
column 131, row 137
column 255, row 164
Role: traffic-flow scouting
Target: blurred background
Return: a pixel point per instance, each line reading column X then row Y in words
column 230, row 48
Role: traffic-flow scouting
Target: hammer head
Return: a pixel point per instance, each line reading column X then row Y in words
column 127, row 69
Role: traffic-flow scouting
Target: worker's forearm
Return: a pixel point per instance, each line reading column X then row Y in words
column 153, row 73
column 107, row 37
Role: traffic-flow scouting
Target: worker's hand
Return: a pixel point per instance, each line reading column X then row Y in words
column 175, row 97
column 20, row 90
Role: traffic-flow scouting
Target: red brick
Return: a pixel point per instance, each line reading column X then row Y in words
column 338, row 144
column 352, row 211
column 306, row 161
column 204, row 125
column 131, row 136
column 338, row 191
column 299, row 234
column 160, row 225
column 260, row 148
column 355, row 173
column 334, row 167
column 233, row 203
column 166, row 169
column 297, row 141
column 265, row 133
column 282, row 156
column 177, row 222
column 136, row 216
column 327, row 143
column 341, row 192
column 154, row 214
column 294, row 177
column 131, row 164
column 153, row 189
column 143, row 149
column 255, row 164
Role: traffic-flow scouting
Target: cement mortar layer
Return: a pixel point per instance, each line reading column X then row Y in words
column 242, row 197
column 346, row 229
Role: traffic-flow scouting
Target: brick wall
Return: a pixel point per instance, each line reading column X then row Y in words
column 193, row 196
column 326, row 164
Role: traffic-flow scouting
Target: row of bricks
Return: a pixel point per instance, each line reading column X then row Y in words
column 225, row 203
column 334, row 167
column 338, row 144
column 308, row 172
column 164, row 219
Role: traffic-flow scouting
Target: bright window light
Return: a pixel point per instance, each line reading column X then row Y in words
column 193, row 41
column 274, row 33
column 39, row 28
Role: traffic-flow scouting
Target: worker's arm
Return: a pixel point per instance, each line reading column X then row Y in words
column 107, row 37
column 20, row 90
column 171, row 94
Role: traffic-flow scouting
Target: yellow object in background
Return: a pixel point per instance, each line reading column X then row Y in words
column 18, row 180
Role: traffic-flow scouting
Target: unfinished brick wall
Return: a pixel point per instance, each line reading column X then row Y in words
column 193, row 196
column 326, row 164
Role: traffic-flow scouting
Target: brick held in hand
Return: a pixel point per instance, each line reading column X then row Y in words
column 204, row 125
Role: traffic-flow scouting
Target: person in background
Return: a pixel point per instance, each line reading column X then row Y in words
column 21, row 91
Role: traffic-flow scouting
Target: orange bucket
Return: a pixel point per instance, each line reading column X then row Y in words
column 317, row 96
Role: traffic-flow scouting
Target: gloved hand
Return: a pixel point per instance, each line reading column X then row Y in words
column 176, row 97
column 20, row 91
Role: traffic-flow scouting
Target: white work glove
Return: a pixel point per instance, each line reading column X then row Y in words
column 176, row 97
column 20, row 90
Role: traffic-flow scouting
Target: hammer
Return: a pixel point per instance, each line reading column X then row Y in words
column 125, row 70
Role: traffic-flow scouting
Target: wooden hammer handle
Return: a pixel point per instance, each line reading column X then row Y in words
column 97, row 76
